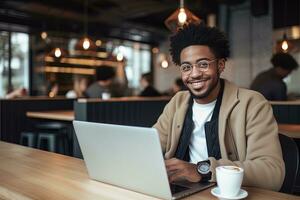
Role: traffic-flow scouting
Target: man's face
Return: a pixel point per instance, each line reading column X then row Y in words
column 203, row 85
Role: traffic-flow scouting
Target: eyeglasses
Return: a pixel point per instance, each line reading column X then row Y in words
column 202, row 65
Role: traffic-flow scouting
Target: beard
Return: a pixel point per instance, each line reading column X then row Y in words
column 207, row 93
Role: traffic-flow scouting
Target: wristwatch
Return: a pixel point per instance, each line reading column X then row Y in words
column 203, row 168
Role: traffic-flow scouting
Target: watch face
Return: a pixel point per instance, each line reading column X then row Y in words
column 203, row 167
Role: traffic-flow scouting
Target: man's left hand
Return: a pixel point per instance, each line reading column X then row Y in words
column 179, row 170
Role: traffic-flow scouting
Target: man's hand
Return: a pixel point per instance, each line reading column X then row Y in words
column 179, row 170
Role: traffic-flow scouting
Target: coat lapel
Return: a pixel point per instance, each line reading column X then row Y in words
column 229, row 101
column 179, row 121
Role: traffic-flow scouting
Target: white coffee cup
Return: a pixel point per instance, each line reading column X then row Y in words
column 106, row 95
column 229, row 180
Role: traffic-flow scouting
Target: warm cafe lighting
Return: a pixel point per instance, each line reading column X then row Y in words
column 182, row 16
column 120, row 56
column 86, row 44
column 44, row 35
column 57, row 52
column 284, row 45
column 98, row 43
column 164, row 64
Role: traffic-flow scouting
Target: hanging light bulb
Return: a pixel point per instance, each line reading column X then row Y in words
column 120, row 56
column 163, row 61
column 86, row 43
column 44, row 35
column 98, row 43
column 57, row 52
column 164, row 64
column 284, row 44
column 182, row 16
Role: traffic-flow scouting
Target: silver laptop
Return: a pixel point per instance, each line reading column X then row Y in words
column 129, row 157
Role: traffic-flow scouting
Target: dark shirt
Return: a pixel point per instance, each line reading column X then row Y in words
column 149, row 92
column 269, row 84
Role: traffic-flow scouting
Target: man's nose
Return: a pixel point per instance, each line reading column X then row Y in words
column 195, row 72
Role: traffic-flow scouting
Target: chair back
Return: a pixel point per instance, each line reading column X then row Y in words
column 290, row 154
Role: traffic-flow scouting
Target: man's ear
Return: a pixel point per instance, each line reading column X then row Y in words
column 221, row 65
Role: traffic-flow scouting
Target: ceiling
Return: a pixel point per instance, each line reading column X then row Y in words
column 138, row 20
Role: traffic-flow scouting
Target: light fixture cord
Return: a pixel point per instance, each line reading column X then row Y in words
column 181, row 3
column 284, row 16
column 85, row 17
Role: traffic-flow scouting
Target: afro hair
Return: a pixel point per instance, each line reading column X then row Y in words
column 199, row 34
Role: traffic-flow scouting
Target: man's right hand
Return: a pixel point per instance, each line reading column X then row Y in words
column 182, row 170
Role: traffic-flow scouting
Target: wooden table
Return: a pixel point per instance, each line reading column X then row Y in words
column 27, row 173
column 64, row 115
column 291, row 130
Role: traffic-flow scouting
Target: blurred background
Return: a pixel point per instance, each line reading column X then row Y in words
column 44, row 41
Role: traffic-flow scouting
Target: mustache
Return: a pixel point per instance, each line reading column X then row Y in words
column 201, row 79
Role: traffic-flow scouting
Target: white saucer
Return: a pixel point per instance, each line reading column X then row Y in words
column 241, row 195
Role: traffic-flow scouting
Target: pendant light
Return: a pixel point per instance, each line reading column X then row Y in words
column 85, row 43
column 180, row 17
column 284, row 44
column 58, row 52
column 44, row 35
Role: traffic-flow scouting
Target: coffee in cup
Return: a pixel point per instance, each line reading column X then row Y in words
column 229, row 180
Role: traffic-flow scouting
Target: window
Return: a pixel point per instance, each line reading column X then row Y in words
column 138, row 61
column 4, row 39
column 20, row 60
column 14, row 61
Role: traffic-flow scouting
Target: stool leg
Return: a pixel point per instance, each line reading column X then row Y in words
column 52, row 143
column 23, row 141
column 28, row 139
column 31, row 141
column 39, row 142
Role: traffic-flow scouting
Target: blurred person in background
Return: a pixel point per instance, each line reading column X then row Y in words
column 20, row 92
column 103, row 87
column 148, row 89
column 80, row 85
column 177, row 86
column 270, row 83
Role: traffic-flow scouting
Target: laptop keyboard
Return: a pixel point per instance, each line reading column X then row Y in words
column 177, row 188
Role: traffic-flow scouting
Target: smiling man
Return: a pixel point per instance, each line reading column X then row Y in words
column 216, row 123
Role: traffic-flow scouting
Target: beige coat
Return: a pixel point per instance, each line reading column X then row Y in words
column 248, row 135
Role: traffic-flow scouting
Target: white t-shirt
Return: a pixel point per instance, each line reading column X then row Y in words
column 71, row 94
column 202, row 113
